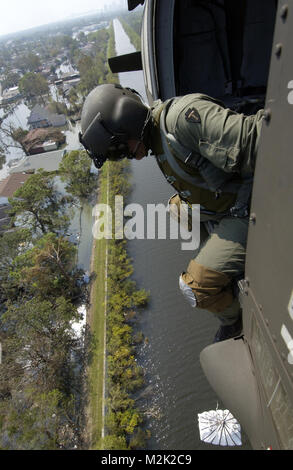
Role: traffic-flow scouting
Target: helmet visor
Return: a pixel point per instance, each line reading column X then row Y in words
column 101, row 144
column 96, row 137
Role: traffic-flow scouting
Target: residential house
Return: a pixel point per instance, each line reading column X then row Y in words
column 10, row 95
column 7, row 188
column 70, row 84
column 11, row 183
column 49, row 161
column 36, row 141
column 41, row 117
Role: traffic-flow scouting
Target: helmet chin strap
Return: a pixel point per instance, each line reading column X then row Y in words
column 133, row 154
column 147, row 119
column 140, row 141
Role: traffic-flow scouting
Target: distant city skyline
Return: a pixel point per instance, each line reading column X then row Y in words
column 21, row 15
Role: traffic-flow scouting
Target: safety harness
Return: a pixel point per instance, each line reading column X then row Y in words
column 196, row 179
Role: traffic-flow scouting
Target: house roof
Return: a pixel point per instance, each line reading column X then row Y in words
column 35, row 134
column 40, row 135
column 38, row 113
column 49, row 161
column 57, row 119
column 10, row 184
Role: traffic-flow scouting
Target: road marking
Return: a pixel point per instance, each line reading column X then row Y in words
column 105, row 317
column 288, row 341
column 290, row 306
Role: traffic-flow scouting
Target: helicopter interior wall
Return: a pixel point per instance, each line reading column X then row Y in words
column 222, row 47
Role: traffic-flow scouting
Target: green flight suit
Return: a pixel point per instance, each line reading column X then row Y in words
column 227, row 139
column 224, row 142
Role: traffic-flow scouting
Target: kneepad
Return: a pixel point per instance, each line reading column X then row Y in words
column 211, row 289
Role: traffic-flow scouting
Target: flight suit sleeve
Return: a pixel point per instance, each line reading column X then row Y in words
column 227, row 139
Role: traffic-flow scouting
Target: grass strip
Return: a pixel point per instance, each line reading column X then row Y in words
column 97, row 324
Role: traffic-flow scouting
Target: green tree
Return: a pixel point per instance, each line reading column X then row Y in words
column 118, row 399
column 31, row 420
column 75, row 170
column 11, row 245
column 138, row 439
column 81, row 37
column 58, row 107
column 33, row 84
column 129, row 420
column 113, row 442
column 39, row 205
column 11, row 136
column 10, row 79
column 38, row 343
column 63, row 41
column 89, row 75
column 74, row 101
column 18, row 134
column 31, row 62
column 100, row 37
column 48, row 269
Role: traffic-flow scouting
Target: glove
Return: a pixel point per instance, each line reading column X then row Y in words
column 187, row 292
column 239, row 210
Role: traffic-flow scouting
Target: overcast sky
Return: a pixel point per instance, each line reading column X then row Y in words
column 16, row 15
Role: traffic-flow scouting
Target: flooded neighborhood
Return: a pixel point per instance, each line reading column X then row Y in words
column 45, row 209
column 48, row 135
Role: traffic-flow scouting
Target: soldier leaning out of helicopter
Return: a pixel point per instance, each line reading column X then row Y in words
column 207, row 152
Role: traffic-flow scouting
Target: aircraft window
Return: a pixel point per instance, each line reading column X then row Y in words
column 277, row 398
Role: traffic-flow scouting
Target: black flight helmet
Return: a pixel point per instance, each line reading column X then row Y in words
column 111, row 116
